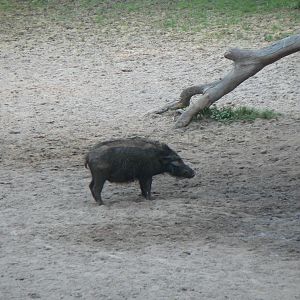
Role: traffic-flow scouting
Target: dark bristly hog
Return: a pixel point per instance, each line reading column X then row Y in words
column 130, row 159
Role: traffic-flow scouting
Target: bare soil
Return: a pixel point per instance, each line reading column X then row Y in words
column 231, row 232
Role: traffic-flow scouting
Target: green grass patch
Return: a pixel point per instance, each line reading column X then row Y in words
column 6, row 5
column 230, row 114
column 217, row 18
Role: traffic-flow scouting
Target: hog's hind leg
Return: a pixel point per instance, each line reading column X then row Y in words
column 97, row 189
column 91, row 186
column 97, row 184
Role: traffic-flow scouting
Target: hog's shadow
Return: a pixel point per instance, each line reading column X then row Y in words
column 130, row 200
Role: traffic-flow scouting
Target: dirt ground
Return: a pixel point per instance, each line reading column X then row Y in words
column 231, row 232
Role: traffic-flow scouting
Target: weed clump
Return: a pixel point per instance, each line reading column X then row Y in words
column 231, row 114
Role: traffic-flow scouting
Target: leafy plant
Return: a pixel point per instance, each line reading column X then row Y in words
column 230, row 114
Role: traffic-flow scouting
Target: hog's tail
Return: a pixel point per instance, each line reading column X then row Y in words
column 86, row 161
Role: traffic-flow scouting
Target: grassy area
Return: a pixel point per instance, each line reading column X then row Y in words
column 197, row 15
column 229, row 114
column 218, row 17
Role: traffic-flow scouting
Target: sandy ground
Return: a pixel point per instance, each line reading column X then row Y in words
column 231, row 232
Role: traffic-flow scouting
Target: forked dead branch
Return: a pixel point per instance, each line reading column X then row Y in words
column 246, row 64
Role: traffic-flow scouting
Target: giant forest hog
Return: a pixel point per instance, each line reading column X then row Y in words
column 130, row 159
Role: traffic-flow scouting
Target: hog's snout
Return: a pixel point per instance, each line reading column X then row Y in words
column 179, row 169
column 189, row 173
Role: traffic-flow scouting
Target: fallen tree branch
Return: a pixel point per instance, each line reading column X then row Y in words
column 246, row 64
column 185, row 97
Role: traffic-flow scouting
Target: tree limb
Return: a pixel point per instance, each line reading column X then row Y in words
column 246, row 64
